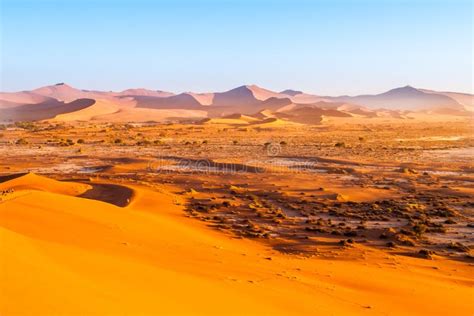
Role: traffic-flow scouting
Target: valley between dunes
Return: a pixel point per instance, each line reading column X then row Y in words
column 62, row 254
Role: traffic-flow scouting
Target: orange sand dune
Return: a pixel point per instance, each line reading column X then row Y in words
column 274, row 122
column 11, row 99
column 99, row 108
column 44, row 110
column 233, row 119
column 66, row 255
column 145, row 115
column 31, row 181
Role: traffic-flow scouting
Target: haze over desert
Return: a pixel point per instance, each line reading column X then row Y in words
column 264, row 157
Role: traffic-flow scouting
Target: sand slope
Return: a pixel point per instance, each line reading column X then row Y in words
column 404, row 98
column 10, row 99
column 149, row 115
column 66, row 255
column 99, row 108
column 31, row 181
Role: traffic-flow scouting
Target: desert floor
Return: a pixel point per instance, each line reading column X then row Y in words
column 227, row 218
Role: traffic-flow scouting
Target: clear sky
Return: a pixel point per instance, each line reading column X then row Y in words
column 323, row 47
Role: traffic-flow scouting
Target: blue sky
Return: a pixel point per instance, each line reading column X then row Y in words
column 323, row 47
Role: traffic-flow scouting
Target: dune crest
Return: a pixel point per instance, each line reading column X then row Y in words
column 31, row 181
column 65, row 103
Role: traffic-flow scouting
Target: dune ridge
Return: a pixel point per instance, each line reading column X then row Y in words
column 247, row 100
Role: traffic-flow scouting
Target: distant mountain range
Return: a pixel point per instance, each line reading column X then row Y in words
column 62, row 102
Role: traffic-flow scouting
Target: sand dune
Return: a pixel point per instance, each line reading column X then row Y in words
column 203, row 98
column 180, row 101
column 61, row 92
column 64, row 255
column 264, row 114
column 312, row 115
column 31, row 181
column 242, row 117
column 276, row 104
column 274, row 122
column 144, row 93
column 291, row 92
column 244, row 96
column 94, row 111
column 405, row 98
column 233, row 119
column 66, row 93
column 44, row 110
column 61, row 99
column 11, row 99
column 263, row 94
column 465, row 99
column 307, row 98
column 151, row 115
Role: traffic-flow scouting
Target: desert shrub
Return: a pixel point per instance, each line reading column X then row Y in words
column 235, row 142
column 340, row 144
column 80, row 141
column 21, row 141
column 117, row 141
column 66, row 142
column 204, row 142
column 419, row 229
column 283, row 143
column 457, row 246
column 25, row 125
column 143, row 142
column 425, row 253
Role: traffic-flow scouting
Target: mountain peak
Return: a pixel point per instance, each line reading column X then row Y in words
column 406, row 90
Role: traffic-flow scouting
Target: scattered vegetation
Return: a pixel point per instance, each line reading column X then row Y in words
column 143, row 142
column 21, row 141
